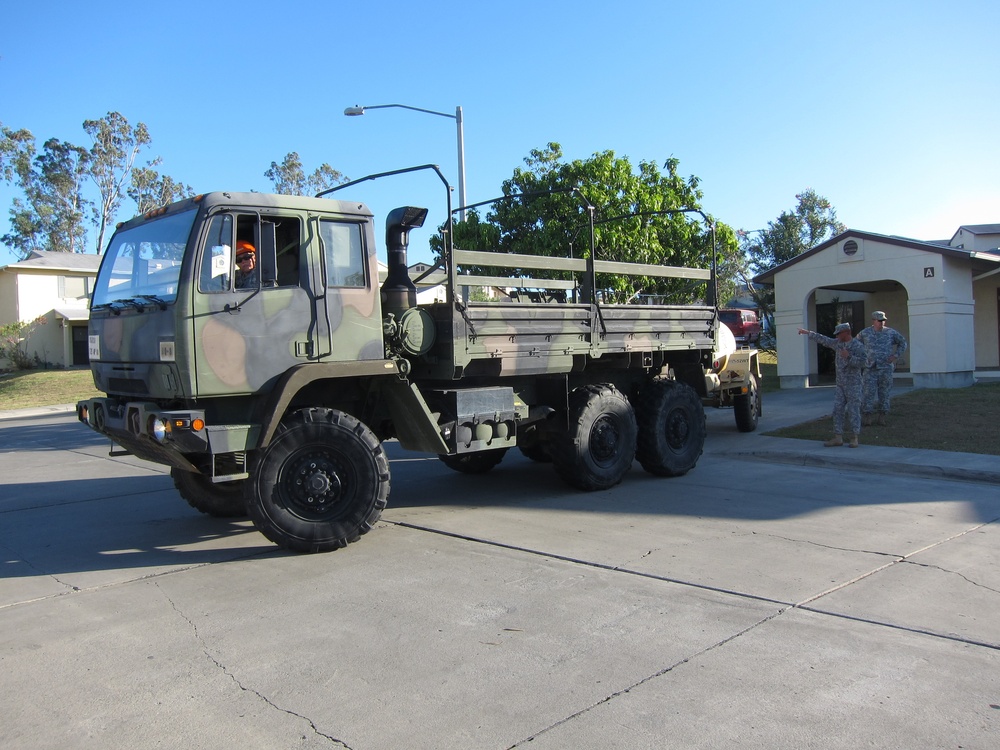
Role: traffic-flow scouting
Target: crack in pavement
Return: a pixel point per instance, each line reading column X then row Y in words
column 954, row 573
column 22, row 558
column 830, row 546
column 785, row 606
column 648, row 678
column 226, row 671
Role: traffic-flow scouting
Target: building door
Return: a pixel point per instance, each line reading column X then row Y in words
column 827, row 317
column 81, row 354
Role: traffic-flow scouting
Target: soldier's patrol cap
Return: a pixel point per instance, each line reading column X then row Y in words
column 841, row 327
column 878, row 315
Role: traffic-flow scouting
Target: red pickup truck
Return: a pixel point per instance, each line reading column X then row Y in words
column 743, row 323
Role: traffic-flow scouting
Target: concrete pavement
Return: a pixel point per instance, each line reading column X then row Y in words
column 747, row 604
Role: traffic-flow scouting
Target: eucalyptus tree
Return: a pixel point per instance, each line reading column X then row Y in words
column 50, row 216
column 149, row 189
column 289, row 178
column 116, row 144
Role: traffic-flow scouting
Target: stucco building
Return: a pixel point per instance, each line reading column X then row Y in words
column 943, row 296
column 57, row 288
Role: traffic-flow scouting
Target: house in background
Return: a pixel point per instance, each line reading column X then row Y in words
column 943, row 296
column 56, row 287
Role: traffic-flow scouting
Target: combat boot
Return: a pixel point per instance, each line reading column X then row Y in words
column 866, row 420
column 881, row 419
column 834, row 441
column 854, row 441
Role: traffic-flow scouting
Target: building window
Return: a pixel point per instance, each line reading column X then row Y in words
column 74, row 287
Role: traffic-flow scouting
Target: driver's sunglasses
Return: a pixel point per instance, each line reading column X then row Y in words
column 245, row 256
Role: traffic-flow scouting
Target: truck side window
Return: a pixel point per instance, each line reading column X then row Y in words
column 345, row 258
column 217, row 256
column 288, row 238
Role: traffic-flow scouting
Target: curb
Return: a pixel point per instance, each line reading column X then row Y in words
column 37, row 411
column 854, row 463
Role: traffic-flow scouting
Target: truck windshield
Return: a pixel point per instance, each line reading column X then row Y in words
column 144, row 262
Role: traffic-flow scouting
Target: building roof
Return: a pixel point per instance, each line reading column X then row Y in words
column 54, row 261
column 981, row 228
column 981, row 260
column 72, row 313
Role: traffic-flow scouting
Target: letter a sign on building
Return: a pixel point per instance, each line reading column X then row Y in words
column 929, row 272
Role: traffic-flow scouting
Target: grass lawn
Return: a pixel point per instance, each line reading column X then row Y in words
column 29, row 388
column 966, row 420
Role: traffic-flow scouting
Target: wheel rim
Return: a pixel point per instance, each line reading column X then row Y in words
column 605, row 437
column 313, row 485
column 678, row 427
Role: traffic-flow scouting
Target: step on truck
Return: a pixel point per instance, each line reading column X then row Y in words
column 269, row 387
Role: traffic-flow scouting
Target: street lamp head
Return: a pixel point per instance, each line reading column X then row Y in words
column 354, row 111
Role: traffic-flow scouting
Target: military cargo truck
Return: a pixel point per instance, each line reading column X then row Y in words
column 271, row 393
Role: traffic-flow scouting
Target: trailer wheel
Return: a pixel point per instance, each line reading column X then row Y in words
column 321, row 483
column 747, row 407
column 219, row 500
column 474, row 463
column 599, row 446
column 671, row 428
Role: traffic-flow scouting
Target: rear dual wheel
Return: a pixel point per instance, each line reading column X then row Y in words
column 598, row 447
column 671, row 428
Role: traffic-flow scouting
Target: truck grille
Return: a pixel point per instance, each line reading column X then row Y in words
column 125, row 385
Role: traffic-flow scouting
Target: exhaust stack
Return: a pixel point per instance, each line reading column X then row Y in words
column 398, row 290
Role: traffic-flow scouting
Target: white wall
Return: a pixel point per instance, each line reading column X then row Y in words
column 36, row 294
column 937, row 319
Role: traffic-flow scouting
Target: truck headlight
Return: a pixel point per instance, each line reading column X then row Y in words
column 158, row 429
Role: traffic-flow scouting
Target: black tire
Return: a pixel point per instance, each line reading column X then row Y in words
column 536, row 452
column 219, row 500
column 671, row 428
column 598, row 448
column 532, row 446
column 321, row 483
column 479, row 462
column 747, row 407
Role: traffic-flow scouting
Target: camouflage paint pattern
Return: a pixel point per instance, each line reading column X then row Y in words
column 850, row 385
column 230, row 352
column 879, row 347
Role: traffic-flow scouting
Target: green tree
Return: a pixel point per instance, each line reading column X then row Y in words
column 811, row 222
column 289, row 178
column 149, row 189
column 544, row 216
column 116, row 144
column 50, row 217
column 12, row 337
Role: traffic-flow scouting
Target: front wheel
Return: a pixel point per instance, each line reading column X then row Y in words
column 216, row 499
column 320, row 484
column 671, row 428
column 598, row 448
column 747, row 406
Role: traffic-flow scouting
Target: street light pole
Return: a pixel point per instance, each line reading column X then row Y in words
column 457, row 117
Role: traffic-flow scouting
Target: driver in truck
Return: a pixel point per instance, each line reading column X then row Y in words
column 246, row 265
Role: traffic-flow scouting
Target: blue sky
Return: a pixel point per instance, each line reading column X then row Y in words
column 889, row 109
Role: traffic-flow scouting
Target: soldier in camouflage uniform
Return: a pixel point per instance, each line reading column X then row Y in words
column 850, row 357
column 883, row 347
